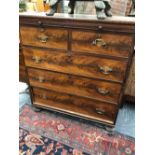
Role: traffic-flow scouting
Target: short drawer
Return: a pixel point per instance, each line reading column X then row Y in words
column 94, row 89
column 88, row 66
column 44, row 37
column 112, row 44
column 93, row 110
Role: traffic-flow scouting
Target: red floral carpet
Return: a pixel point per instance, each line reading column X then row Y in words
column 45, row 133
column 30, row 143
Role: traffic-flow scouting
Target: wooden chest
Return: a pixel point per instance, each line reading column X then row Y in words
column 77, row 64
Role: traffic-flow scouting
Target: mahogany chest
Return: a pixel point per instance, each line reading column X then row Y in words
column 77, row 64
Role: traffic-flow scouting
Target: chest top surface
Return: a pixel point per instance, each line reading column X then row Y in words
column 115, row 23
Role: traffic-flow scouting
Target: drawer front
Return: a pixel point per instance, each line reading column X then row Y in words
column 118, row 45
column 88, row 66
column 104, row 91
column 44, row 37
column 79, row 106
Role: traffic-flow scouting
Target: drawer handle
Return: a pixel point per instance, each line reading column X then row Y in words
column 105, row 70
column 103, row 91
column 41, row 79
column 40, row 23
column 100, row 111
column 36, row 59
column 43, row 39
column 99, row 42
column 44, row 97
column 100, row 27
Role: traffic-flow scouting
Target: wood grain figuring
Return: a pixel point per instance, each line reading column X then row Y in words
column 113, row 44
column 44, row 37
column 99, row 90
column 94, row 110
column 99, row 68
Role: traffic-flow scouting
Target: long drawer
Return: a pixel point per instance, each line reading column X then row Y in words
column 112, row 44
column 94, row 67
column 44, row 37
column 95, row 89
column 93, row 110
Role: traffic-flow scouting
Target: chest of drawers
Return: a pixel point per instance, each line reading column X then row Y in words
column 77, row 65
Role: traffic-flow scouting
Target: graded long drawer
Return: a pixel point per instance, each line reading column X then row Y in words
column 88, row 66
column 94, row 89
column 112, row 44
column 93, row 110
column 44, row 37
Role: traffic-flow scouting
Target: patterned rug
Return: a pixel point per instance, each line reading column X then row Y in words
column 46, row 133
column 30, row 143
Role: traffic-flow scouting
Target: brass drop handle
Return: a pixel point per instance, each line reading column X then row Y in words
column 105, row 70
column 43, row 39
column 99, row 42
column 100, row 111
column 36, row 59
column 103, row 91
column 44, row 97
column 41, row 79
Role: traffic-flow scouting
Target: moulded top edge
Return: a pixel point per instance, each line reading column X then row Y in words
column 113, row 19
